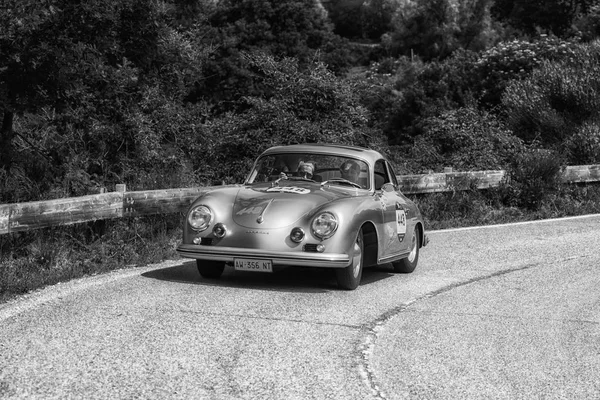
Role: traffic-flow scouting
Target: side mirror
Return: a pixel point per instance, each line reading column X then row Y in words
column 388, row 187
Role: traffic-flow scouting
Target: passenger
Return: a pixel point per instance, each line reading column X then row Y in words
column 350, row 171
column 306, row 170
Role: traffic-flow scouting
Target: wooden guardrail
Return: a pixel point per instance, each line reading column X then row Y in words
column 19, row 217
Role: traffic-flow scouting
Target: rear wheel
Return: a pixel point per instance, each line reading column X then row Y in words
column 349, row 278
column 408, row 264
column 210, row 269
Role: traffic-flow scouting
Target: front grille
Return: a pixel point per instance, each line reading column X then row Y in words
column 206, row 241
column 310, row 247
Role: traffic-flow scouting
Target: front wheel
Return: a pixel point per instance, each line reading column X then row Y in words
column 408, row 264
column 210, row 269
column 349, row 278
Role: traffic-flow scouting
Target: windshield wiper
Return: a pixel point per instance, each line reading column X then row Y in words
column 342, row 181
column 291, row 178
column 299, row 178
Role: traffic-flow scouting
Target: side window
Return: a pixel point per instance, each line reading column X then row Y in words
column 392, row 174
column 381, row 174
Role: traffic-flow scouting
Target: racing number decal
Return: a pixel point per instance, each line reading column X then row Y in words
column 400, row 222
column 289, row 189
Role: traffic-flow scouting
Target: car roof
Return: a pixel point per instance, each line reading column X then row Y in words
column 368, row 155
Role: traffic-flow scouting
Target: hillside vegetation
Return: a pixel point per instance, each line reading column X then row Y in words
column 176, row 93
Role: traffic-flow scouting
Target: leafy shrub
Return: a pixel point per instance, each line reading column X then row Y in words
column 557, row 98
column 583, row 146
column 434, row 29
column 588, row 25
column 508, row 61
column 305, row 105
column 534, row 178
column 429, row 91
column 30, row 260
column 465, row 208
column 465, row 139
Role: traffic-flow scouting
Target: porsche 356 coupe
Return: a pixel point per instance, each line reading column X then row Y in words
column 309, row 205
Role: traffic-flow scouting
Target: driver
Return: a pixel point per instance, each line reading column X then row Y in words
column 350, row 170
column 305, row 170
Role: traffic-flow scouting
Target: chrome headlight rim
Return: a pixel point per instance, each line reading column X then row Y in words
column 297, row 235
column 202, row 223
column 330, row 219
column 219, row 230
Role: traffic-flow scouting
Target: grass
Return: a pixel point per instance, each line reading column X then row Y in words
column 499, row 205
column 32, row 260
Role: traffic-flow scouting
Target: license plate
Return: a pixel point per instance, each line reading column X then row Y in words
column 250, row 264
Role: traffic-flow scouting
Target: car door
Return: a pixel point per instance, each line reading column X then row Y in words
column 393, row 207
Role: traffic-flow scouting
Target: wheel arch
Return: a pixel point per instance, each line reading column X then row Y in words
column 421, row 233
column 370, row 241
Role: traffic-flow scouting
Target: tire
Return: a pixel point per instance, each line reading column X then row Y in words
column 210, row 269
column 408, row 264
column 349, row 278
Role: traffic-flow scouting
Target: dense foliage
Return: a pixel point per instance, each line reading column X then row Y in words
column 185, row 92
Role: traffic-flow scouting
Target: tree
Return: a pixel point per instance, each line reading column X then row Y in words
column 46, row 52
column 433, row 29
column 426, row 28
column 362, row 19
column 282, row 28
column 304, row 104
column 557, row 99
column 81, row 86
column 551, row 16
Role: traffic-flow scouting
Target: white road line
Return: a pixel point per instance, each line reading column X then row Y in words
column 535, row 221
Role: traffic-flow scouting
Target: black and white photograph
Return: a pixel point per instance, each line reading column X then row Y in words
column 300, row 199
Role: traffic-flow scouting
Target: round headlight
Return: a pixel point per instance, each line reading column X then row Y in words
column 324, row 225
column 199, row 218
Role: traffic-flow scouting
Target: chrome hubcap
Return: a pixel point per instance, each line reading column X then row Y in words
column 413, row 250
column 357, row 257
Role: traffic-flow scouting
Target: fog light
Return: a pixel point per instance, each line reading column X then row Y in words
column 197, row 240
column 220, row 230
column 320, row 248
column 297, row 235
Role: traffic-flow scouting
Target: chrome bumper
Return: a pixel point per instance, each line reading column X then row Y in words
column 227, row 254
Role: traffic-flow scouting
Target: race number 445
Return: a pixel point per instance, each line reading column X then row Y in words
column 400, row 222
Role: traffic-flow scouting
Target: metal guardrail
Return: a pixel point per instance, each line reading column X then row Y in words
column 20, row 217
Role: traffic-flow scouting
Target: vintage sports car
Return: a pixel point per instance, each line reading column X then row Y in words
column 310, row 205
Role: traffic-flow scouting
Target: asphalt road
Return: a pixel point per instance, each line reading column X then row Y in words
column 503, row 312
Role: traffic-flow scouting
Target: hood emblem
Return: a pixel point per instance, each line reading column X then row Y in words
column 261, row 217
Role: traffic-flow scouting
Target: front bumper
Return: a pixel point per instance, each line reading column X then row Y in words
column 227, row 254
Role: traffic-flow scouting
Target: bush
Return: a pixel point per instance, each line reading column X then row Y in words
column 429, row 91
column 583, row 146
column 558, row 97
column 305, row 105
column 508, row 61
column 534, row 178
column 465, row 139
column 588, row 25
column 30, row 260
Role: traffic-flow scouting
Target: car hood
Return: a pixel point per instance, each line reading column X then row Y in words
column 267, row 207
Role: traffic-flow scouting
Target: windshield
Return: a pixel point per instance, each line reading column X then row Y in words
column 306, row 166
